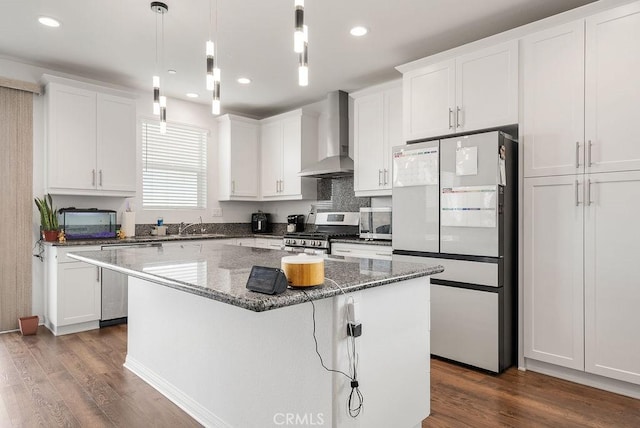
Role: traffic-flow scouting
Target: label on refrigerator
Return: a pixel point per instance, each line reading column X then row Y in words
column 415, row 167
column 469, row 206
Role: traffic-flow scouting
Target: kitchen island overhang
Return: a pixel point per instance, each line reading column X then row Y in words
column 192, row 335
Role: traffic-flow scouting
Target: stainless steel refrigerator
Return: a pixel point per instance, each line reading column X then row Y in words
column 455, row 204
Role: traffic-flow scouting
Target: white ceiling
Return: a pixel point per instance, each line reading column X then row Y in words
column 114, row 41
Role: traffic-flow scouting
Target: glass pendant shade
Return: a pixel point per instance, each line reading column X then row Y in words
column 210, row 62
column 298, row 35
column 156, row 95
column 163, row 115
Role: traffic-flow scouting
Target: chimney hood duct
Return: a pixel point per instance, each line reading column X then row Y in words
column 337, row 163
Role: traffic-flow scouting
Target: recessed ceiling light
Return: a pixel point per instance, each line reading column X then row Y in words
column 244, row 80
column 171, row 71
column 48, row 21
column 358, row 31
column 192, row 95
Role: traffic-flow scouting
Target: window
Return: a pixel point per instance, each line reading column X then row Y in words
column 174, row 167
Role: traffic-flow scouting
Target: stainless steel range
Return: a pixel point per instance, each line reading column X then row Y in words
column 327, row 226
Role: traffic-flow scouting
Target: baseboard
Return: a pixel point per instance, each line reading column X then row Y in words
column 73, row 328
column 583, row 378
column 179, row 398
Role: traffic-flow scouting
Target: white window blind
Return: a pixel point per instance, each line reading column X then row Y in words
column 174, row 167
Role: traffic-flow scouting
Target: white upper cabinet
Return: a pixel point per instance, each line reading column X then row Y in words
column 116, row 161
column 613, row 90
column 377, row 128
column 487, row 88
column 553, row 77
column 429, row 100
column 475, row 91
column 581, row 95
column 238, row 159
column 91, row 139
column 288, row 143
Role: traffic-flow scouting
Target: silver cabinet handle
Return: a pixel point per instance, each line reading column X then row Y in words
column 588, row 201
column 386, row 176
column 233, row 186
column 589, row 154
column 277, row 186
column 343, row 251
column 100, row 181
column 577, row 154
column 281, row 186
column 450, row 121
column 458, row 117
column 379, row 177
column 93, row 175
column 577, row 197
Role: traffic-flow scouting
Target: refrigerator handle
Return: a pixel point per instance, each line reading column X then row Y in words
column 577, row 154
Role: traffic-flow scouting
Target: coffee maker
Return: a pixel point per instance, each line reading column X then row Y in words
column 260, row 222
column 295, row 223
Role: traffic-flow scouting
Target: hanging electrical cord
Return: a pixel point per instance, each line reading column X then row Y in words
column 355, row 400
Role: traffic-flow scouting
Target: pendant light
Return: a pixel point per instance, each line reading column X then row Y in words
column 303, row 61
column 159, row 102
column 213, row 71
column 298, row 34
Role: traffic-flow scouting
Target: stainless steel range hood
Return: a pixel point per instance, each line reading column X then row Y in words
column 337, row 163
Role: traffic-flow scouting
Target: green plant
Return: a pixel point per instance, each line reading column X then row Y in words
column 48, row 214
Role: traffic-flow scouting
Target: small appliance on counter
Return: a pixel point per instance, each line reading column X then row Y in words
column 295, row 223
column 375, row 223
column 260, row 222
column 88, row 223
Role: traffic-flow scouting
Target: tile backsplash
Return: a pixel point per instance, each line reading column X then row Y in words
column 337, row 194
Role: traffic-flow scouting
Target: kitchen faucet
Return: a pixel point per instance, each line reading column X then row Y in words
column 182, row 229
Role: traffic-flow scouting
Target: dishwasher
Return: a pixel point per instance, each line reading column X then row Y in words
column 115, row 290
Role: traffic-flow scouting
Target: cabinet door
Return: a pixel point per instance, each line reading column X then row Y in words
column 271, row 158
column 71, row 146
column 78, row 293
column 612, row 294
column 291, row 156
column 244, row 160
column 553, row 270
column 553, row 129
column 368, row 142
column 116, row 149
column 487, row 88
column 392, row 133
column 429, row 101
column 613, row 90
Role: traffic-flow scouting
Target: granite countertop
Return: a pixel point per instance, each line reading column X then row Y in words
column 354, row 240
column 153, row 238
column 220, row 272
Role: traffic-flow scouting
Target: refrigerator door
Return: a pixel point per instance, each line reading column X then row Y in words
column 416, row 197
column 469, row 194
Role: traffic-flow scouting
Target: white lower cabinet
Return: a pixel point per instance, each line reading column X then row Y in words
column 581, row 294
column 72, row 292
column 366, row 251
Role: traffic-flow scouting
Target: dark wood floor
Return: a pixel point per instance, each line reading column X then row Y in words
column 78, row 380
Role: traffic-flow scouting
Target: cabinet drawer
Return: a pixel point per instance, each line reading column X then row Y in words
column 469, row 272
column 380, row 252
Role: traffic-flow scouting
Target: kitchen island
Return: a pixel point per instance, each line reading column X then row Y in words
column 234, row 358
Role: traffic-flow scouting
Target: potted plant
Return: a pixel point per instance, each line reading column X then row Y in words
column 48, row 218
